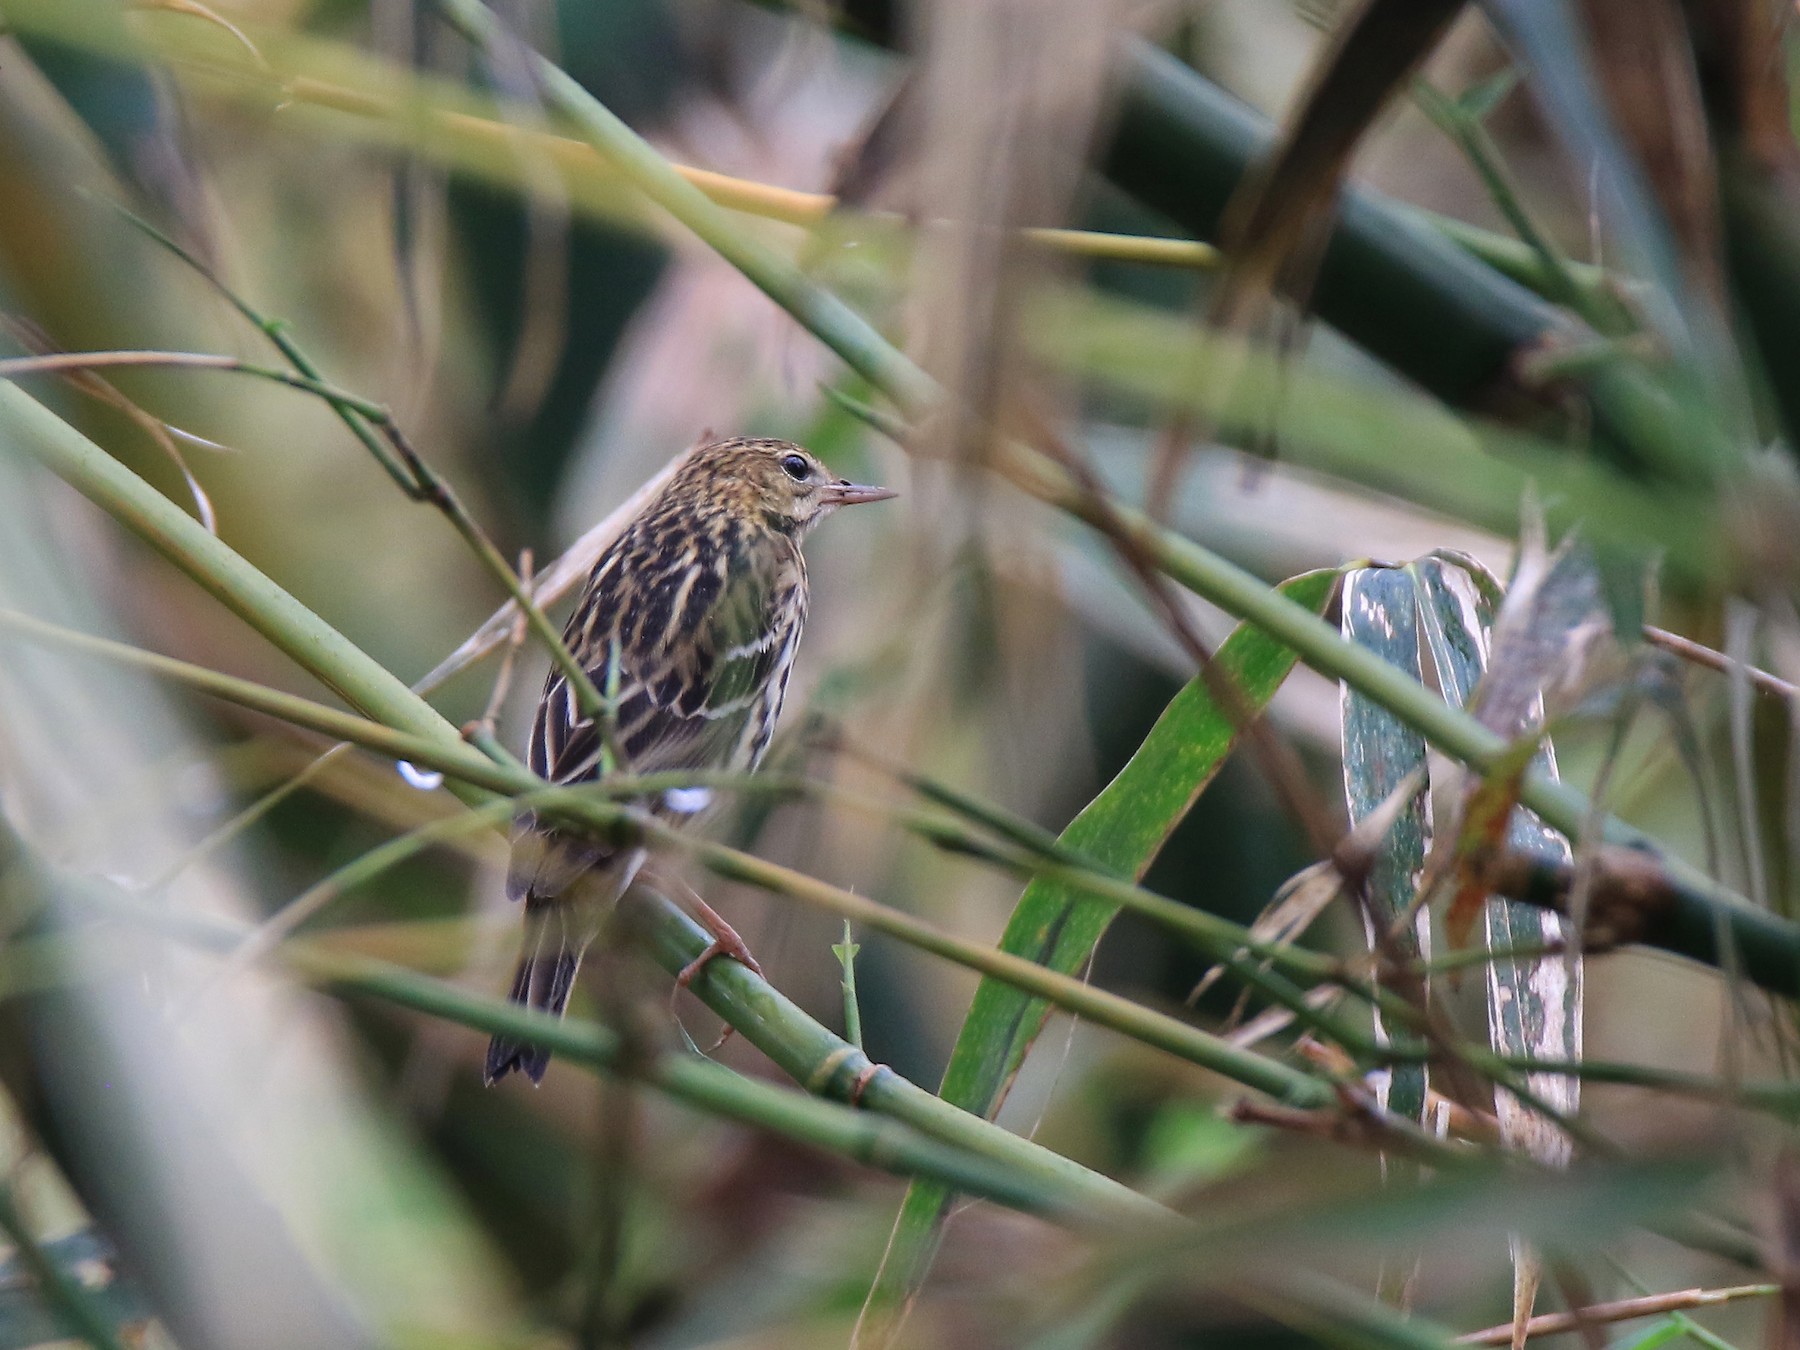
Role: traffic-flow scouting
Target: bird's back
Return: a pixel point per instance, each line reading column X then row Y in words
column 703, row 616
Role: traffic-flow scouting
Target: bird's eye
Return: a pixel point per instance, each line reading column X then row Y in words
column 796, row 467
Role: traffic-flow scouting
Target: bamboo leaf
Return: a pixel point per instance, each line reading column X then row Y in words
column 1384, row 756
column 1534, row 1006
column 1122, row 829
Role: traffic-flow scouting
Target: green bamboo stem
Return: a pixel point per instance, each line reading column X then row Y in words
column 1005, row 1168
column 1482, row 300
column 58, row 1287
column 365, row 684
column 1386, row 279
column 851, row 336
column 597, row 806
column 1211, row 932
column 823, row 1062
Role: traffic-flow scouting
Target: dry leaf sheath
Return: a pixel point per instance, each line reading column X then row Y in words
column 688, row 625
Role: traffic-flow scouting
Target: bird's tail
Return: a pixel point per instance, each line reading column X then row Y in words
column 544, row 979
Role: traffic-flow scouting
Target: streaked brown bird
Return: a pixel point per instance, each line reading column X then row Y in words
column 701, row 602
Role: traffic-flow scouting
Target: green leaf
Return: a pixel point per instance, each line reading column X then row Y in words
column 846, row 952
column 1122, row 829
column 1382, row 755
column 1480, row 99
column 1534, row 1006
column 69, row 1288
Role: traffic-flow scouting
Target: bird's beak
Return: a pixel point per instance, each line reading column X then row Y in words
column 846, row 493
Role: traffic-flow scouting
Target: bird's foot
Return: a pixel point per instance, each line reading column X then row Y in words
column 726, row 942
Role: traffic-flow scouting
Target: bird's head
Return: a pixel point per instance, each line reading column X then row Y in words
column 774, row 481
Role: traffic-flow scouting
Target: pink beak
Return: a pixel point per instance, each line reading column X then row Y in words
column 845, row 493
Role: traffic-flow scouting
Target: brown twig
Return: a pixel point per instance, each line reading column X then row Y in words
column 1279, row 761
column 1622, row 1310
column 1357, row 1121
column 1689, row 650
column 404, row 464
column 32, row 337
column 1628, row 895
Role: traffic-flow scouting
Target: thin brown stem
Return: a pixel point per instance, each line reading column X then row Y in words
column 1621, row 1310
column 1689, row 650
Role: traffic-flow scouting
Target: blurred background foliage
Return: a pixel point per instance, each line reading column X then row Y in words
column 1564, row 285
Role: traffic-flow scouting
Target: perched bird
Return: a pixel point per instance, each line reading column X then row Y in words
column 700, row 602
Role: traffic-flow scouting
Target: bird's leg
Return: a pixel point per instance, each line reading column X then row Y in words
column 726, row 941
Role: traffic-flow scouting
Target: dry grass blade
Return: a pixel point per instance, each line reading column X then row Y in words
column 556, row 581
column 1641, row 53
column 1306, row 895
column 1273, row 1021
column 1621, row 1310
column 1287, row 204
column 34, row 339
column 195, row 9
column 1371, row 56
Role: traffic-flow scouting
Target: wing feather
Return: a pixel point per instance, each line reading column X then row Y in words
column 704, row 639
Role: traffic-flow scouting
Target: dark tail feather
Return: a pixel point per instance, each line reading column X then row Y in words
column 543, row 981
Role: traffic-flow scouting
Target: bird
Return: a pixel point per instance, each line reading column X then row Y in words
column 688, row 625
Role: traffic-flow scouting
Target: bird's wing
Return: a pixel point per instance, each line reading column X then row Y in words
column 681, row 704
column 688, row 694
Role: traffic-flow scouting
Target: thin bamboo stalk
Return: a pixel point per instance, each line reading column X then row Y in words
column 29, row 428
column 1703, row 908
column 1003, row 1167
